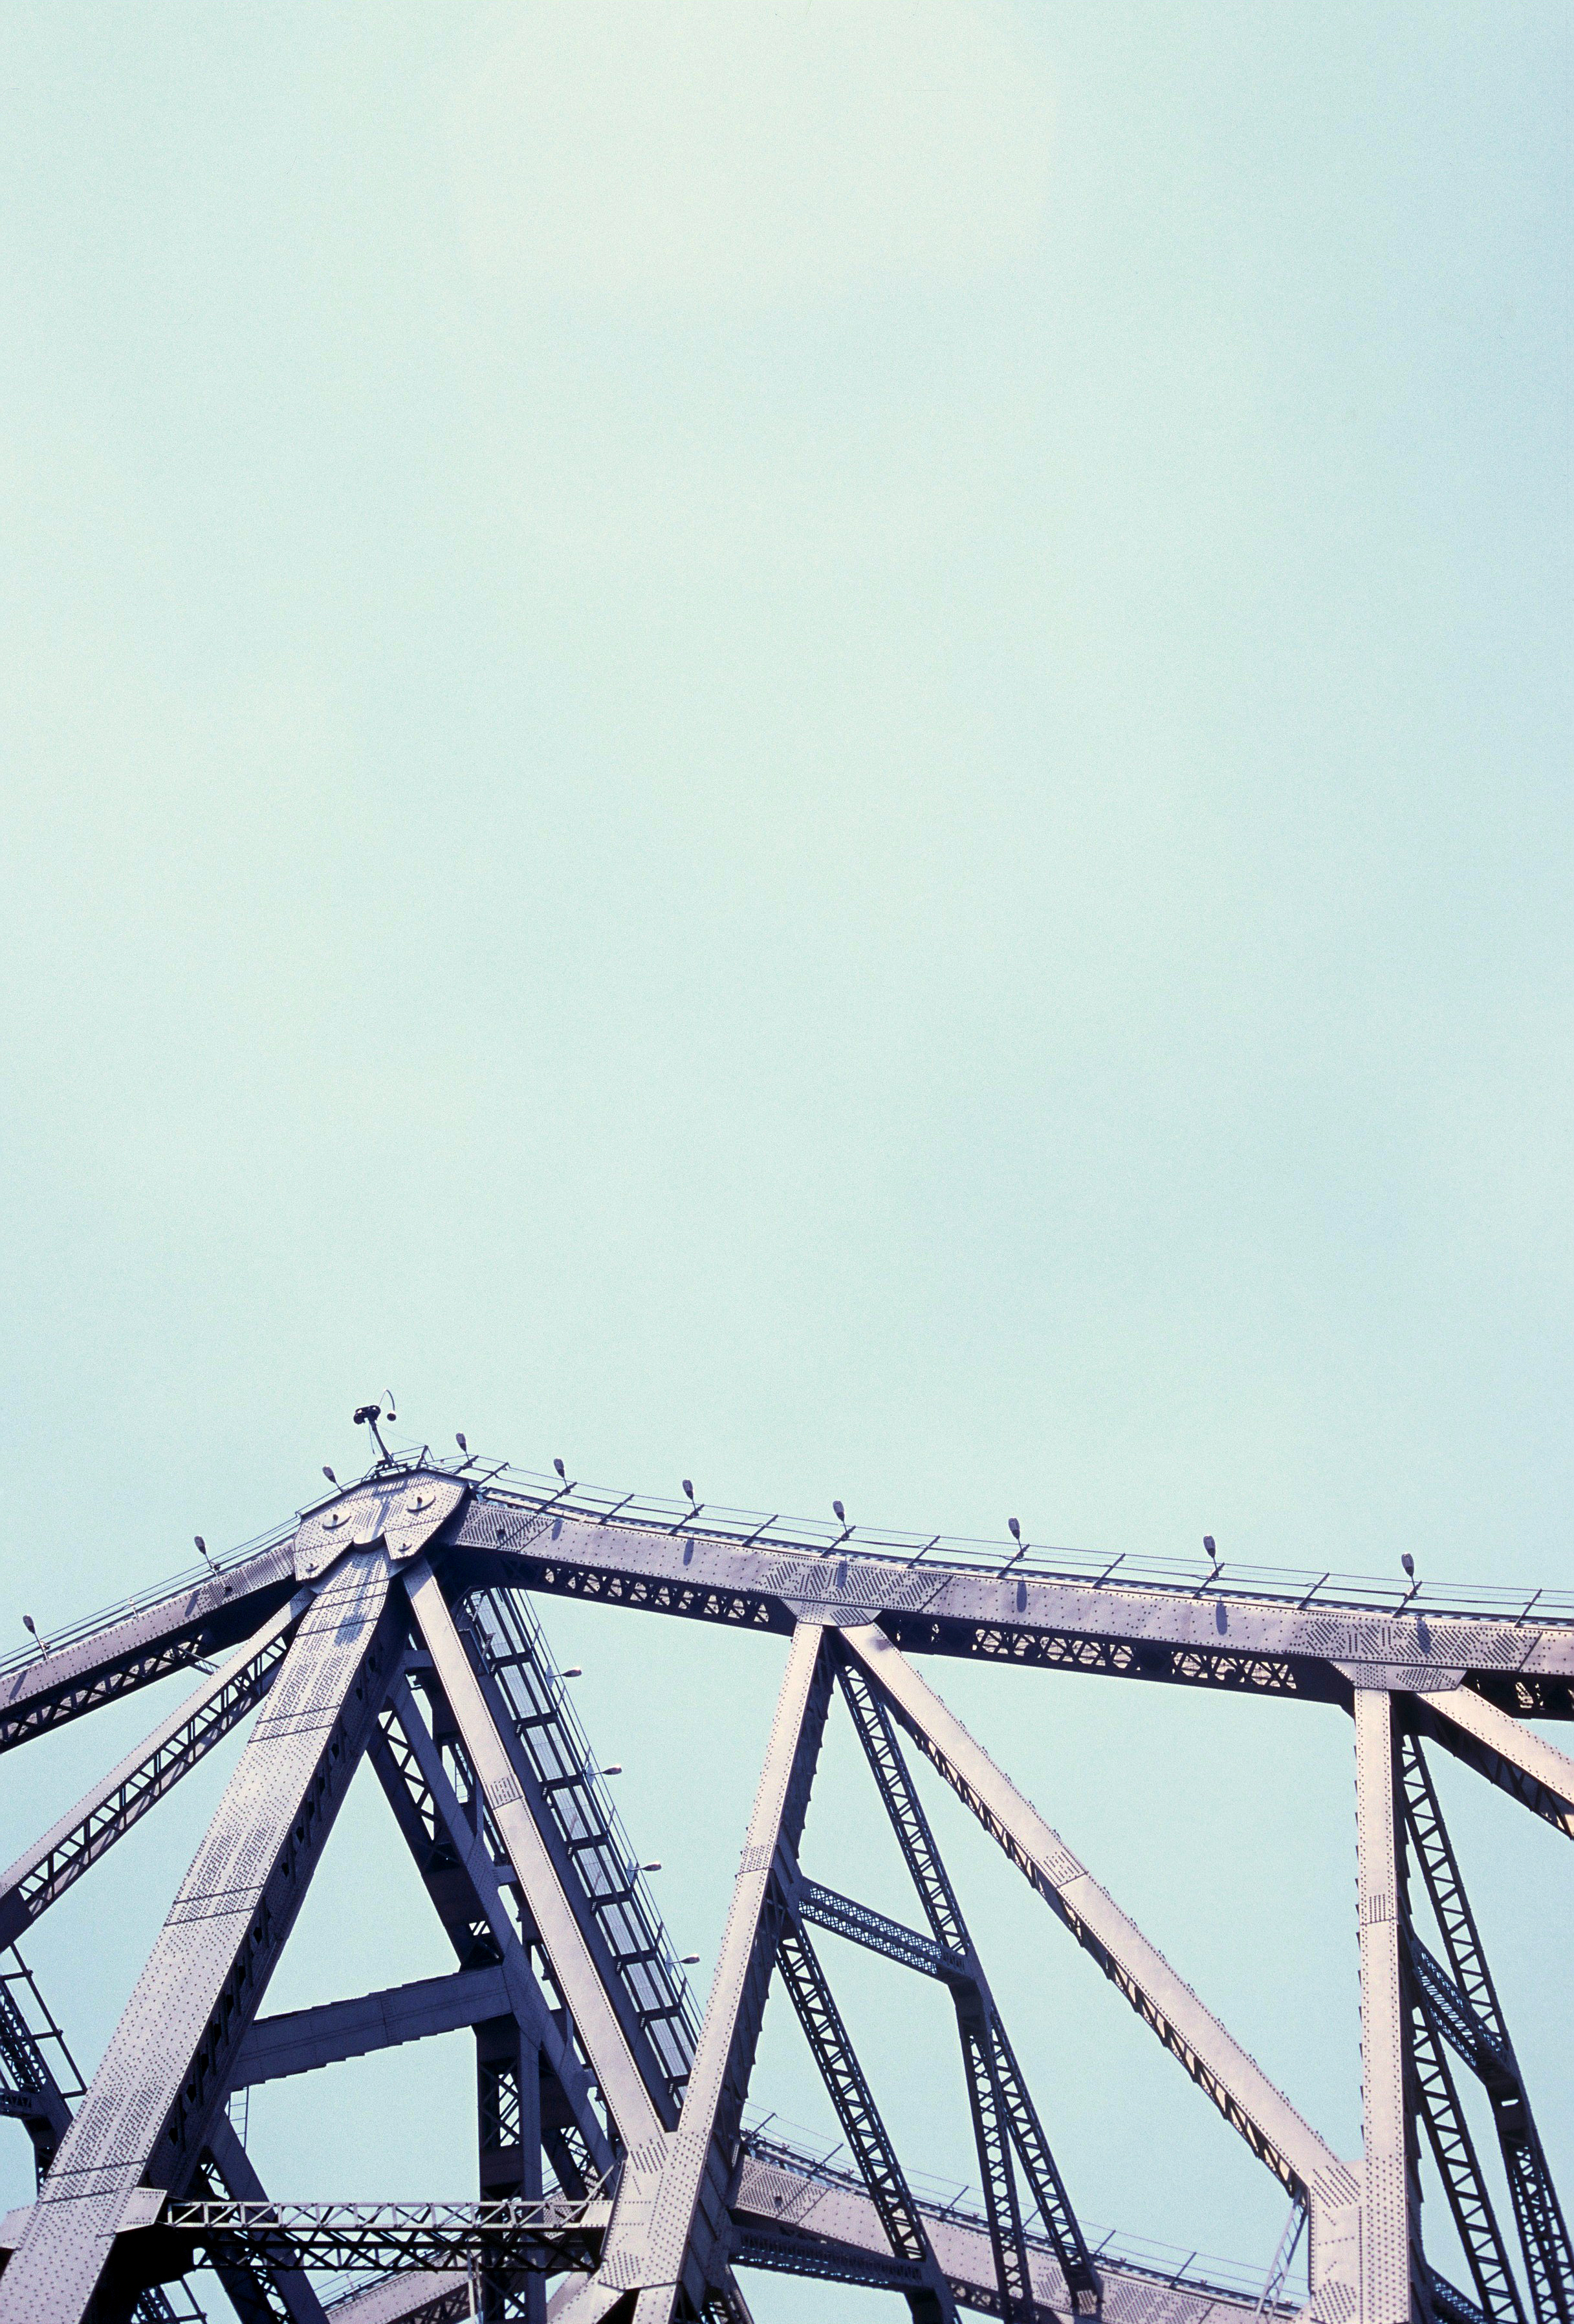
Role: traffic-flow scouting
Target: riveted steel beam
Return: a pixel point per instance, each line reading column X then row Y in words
column 1186, row 1635
column 1393, row 2290
column 163, row 2077
column 862, row 1925
column 299, row 2040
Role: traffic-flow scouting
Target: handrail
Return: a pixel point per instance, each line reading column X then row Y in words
column 1531, row 1610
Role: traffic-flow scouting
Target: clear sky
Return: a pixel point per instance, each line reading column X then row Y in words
column 824, row 747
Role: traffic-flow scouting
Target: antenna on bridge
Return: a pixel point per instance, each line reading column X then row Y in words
column 369, row 1414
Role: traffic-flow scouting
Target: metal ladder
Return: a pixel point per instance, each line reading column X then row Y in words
column 516, row 1652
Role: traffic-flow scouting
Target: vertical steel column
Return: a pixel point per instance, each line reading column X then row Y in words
column 509, row 2122
column 1391, row 2282
column 670, row 2225
column 691, row 2201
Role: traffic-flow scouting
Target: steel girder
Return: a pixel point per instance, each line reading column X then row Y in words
column 493, row 1787
column 299, row 2040
column 1213, row 1636
column 593, row 1855
column 762, row 1577
column 862, row 1925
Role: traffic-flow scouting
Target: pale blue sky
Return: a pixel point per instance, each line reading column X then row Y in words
column 827, row 748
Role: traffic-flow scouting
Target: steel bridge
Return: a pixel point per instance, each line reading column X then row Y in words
column 393, row 1622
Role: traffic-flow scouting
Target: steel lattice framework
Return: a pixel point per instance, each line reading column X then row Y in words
column 394, row 1623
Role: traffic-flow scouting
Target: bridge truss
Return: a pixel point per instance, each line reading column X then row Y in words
column 394, row 1623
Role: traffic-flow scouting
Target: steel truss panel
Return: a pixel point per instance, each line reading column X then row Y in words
column 563, row 1809
column 1232, row 2078
column 147, row 2114
column 559, row 2231
column 595, row 1855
